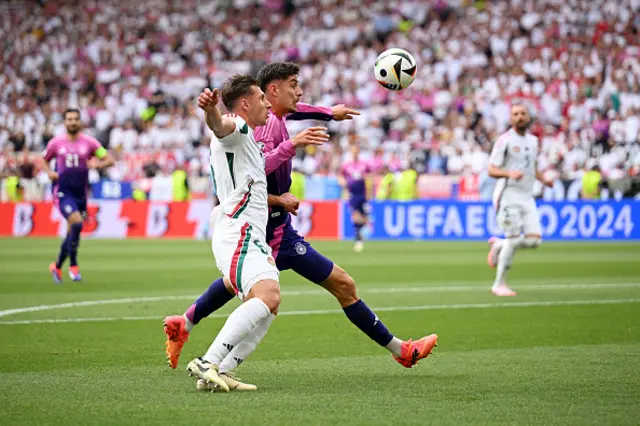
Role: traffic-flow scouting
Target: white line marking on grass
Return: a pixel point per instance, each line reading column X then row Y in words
column 339, row 311
column 288, row 293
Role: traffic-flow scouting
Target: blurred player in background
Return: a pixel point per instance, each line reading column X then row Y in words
column 279, row 81
column 75, row 153
column 513, row 162
column 353, row 176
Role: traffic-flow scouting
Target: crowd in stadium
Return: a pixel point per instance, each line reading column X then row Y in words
column 135, row 68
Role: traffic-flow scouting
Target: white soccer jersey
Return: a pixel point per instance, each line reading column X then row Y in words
column 514, row 152
column 237, row 166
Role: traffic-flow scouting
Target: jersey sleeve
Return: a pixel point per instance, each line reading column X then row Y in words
column 274, row 154
column 235, row 137
column 498, row 153
column 311, row 112
column 51, row 150
column 97, row 150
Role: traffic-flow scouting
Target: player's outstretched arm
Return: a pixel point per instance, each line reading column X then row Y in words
column 208, row 102
column 275, row 157
column 311, row 112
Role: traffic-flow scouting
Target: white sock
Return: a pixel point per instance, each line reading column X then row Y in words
column 238, row 325
column 246, row 347
column 395, row 346
column 504, row 259
column 188, row 325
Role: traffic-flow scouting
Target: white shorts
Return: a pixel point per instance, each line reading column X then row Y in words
column 519, row 218
column 242, row 254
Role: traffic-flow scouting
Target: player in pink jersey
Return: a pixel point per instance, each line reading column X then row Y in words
column 353, row 176
column 279, row 82
column 74, row 153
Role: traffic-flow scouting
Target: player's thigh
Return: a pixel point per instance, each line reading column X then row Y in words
column 509, row 219
column 358, row 212
column 531, row 220
column 257, row 268
column 304, row 260
column 68, row 206
column 243, row 256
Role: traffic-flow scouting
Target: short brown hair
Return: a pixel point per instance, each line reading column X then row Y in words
column 276, row 71
column 71, row 111
column 235, row 88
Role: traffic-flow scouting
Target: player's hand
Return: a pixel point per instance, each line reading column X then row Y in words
column 310, row 136
column 341, row 112
column 208, row 99
column 53, row 176
column 93, row 163
column 290, row 203
column 515, row 174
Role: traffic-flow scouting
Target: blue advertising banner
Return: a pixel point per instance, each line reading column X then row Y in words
column 111, row 190
column 457, row 220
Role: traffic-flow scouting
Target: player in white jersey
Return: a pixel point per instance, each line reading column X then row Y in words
column 239, row 241
column 513, row 162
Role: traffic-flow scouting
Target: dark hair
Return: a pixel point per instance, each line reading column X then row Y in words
column 69, row 111
column 236, row 87
column 276, row 71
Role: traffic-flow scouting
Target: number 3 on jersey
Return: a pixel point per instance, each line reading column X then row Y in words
column 71, row 160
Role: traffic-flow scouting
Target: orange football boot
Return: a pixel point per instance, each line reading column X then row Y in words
column 56, row 273
column 412, row 352
column 74, row 273
column 177, row 336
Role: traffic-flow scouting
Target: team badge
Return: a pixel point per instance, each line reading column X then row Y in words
column 68, row 208
column 516, row 149
column 271, row 261
column 300, row 248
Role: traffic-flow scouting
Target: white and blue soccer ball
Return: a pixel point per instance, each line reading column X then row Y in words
column 395, row 69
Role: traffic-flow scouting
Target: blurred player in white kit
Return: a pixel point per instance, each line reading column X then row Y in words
column 513, row 162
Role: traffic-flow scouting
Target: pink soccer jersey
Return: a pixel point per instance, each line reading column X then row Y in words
column 72, row 157
column 278, row 147
column 354, row 172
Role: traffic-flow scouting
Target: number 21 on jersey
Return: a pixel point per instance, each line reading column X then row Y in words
column 71, row 160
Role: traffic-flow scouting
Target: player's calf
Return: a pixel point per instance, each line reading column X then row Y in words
column 261, row 300
column 341, row 286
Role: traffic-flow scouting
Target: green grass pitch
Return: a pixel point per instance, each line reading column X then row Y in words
column 566, row 350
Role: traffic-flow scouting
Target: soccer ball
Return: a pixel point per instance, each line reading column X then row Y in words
column 395, row 69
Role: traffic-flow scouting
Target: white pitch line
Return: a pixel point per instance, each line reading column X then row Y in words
column 288, row 293
column 339, row 311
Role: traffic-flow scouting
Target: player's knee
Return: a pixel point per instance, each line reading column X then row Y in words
column 75, row 218
column 342, row 286
column 269, row 292
column 532, row 241
column 358, row 219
